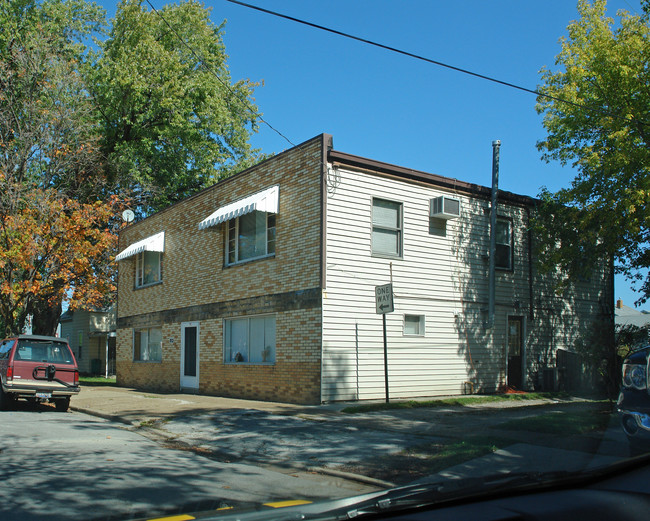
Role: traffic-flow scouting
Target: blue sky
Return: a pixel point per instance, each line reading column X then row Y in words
column 397, row 109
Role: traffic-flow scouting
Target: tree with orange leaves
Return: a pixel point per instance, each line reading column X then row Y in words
column 54, row 248
column 57, row 209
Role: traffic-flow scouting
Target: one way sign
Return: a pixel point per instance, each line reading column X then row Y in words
column 384, row 299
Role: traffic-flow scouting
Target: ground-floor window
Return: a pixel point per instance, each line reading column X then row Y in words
column 413, row 325
column 249, row 340
column 147, row 344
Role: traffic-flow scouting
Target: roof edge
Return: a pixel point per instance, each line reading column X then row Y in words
column 362, row 163
column 220, row 182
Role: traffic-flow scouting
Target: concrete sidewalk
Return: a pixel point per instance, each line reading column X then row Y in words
column 321, row 439
column 134, row 407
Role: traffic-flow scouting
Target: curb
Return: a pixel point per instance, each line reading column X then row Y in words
column 109, row 417
column 352, row 477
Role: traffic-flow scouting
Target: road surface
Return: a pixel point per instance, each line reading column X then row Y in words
column 73, row 466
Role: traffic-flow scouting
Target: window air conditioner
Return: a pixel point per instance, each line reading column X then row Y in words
column 444, row 207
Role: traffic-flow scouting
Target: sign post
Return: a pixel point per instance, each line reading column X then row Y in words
column 384, row 304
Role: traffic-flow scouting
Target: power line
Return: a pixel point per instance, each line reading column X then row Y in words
column 428, row 60
column 394, row 49
column 200, row 59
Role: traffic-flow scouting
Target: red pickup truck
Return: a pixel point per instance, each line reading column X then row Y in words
column 39, row 369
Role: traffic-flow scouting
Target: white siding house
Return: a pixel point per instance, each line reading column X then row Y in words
column 379, row 229
column 284, row 257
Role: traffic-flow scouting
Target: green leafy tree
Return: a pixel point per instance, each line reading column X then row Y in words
column 48, row 134
column 603, row 130
column 151, row 113
column 57, row 229
column 173, row 121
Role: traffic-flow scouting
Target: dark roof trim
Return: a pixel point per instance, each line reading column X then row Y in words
column 370, row 165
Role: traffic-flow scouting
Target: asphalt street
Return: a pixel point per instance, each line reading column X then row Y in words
column 62, row 466
column 122, row 452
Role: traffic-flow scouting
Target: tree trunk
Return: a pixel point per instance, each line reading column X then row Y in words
column 45, row 318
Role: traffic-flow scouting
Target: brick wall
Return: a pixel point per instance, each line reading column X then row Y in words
column 197, row 285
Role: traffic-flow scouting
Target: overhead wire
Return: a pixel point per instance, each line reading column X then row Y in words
column 432, row 61
column 399, row 51
column 261, row 119
column 200, row 59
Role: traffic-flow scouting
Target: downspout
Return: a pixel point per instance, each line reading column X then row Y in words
column 327, row 143
column 493, row 234
column 531, row 295
column 326, row 146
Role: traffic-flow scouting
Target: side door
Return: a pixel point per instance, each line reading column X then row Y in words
column 190, row 355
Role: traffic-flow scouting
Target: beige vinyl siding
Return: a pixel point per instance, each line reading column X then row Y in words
column 444, row 278
column 70, row 331
column 424, row 283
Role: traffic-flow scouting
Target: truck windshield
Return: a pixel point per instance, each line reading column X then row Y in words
column 43, row 351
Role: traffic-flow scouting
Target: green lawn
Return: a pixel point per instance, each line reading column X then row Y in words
column 565, row 423
column 449, row 453
column 97, row 380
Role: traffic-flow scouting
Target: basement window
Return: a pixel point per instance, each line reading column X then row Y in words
column 413, row 325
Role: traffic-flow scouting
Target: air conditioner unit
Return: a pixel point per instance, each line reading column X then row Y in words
column 444, row 207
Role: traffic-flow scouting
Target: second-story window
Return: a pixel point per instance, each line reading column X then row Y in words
column 250, row 236
column 503, row 259
column 148, row 268
column 386, row 228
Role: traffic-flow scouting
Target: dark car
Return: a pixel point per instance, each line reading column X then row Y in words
column 634, row 399
column 39, row 369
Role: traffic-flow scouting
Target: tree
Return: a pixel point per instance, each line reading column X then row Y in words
column 173, row 122
column 52, row 247
column 602, row 128
column 151, row 116
column 48, row 134
column 56, row 209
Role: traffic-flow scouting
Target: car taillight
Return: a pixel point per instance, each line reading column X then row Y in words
column 76, row 377
column 10, row 372
column 634, row 376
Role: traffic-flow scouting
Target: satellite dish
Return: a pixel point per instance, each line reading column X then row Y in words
column 128, row 216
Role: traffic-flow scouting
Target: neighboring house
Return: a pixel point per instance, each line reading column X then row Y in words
column 91, row 335
column 263, row 286
column 632, row 324
column 627, row 316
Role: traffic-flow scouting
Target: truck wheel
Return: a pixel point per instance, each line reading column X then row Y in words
column 62, row 404
column 5, row 400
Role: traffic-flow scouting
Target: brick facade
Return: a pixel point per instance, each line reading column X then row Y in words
column 198, row 286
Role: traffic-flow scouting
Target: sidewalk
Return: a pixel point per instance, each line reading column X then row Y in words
column 379, row 448
column 134, row 407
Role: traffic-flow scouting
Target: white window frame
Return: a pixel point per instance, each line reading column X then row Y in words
column 421, row 325
column 157, row 346
column 509, row 245
column 232, row 238
column 399, row 230
column 230, row 354
column 139, row 269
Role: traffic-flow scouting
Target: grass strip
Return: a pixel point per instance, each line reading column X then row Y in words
column 97, row 381
column 561, row 422
column 443, row 455
column 462, row 401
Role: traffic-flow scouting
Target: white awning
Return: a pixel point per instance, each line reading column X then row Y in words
column 152, row 243
column 264, row 201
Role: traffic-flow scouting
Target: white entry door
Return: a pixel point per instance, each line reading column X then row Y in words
column 190, row 355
